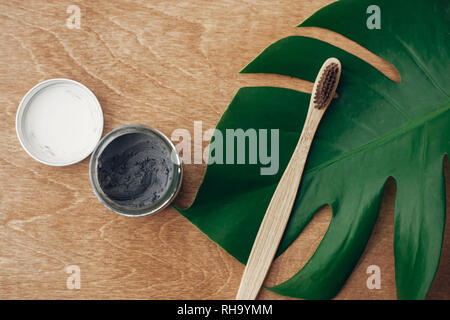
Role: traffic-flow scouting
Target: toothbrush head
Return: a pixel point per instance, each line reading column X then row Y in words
column 326, row 83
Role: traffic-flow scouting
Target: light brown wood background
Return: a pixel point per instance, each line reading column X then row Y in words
column 164, row 64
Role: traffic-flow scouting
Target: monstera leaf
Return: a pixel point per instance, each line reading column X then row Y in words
column 375, row 129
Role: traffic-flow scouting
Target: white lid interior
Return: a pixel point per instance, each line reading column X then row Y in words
column 59, row 122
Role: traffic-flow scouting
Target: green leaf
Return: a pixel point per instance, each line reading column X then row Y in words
column 376, row 129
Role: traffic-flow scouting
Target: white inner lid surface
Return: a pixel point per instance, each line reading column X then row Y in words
column 60, row 123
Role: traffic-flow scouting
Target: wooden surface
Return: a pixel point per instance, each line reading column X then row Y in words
column 164, row 64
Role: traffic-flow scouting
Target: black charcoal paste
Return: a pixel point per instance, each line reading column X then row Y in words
column 135, row 170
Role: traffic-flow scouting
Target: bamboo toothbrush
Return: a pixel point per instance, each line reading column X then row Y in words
column 280, row 206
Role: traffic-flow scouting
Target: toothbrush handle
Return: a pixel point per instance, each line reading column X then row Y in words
column 277, row 215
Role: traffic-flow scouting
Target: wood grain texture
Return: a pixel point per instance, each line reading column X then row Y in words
column 164, row 64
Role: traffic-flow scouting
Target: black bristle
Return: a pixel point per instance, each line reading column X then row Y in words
column 325, row 86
